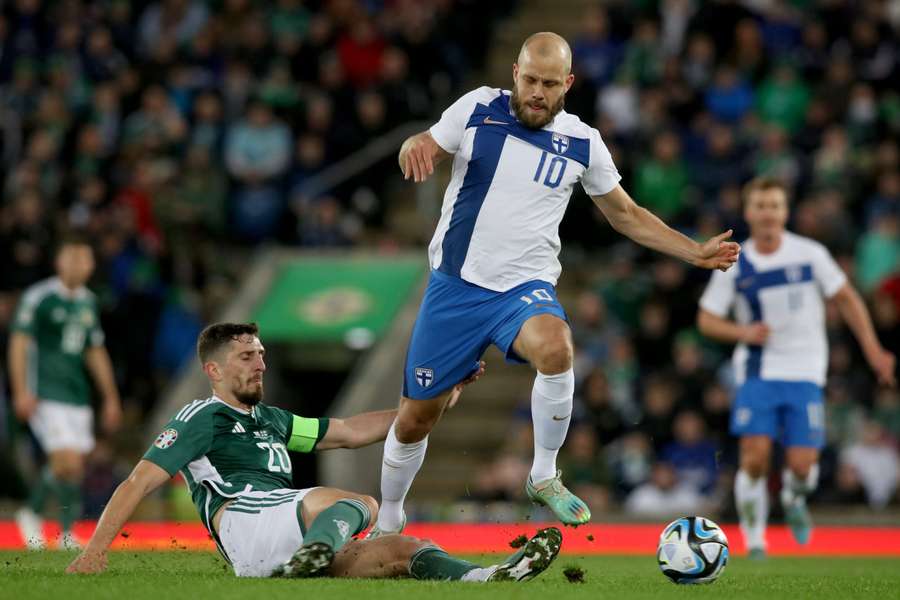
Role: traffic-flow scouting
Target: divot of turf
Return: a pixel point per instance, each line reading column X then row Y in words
column 574, row 574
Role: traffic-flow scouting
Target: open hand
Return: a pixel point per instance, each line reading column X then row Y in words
column 884, row 363
column 716, row 253
column 458, row 388
column 416, row 157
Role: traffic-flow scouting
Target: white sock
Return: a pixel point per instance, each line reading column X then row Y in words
column 399, row 466
column 551, row 399
column 479, row 574
column 752, row 499
column 795, row 490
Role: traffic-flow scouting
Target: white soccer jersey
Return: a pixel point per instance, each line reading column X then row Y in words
column 509, row 189
column 785, row 290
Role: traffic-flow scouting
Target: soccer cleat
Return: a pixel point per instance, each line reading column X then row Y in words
column 377, row 532
column 67, row 541
column 567, row 507
column 799, row 520
column 756, row 554
column 31, row 528
column 308, row 561
column 532, row 559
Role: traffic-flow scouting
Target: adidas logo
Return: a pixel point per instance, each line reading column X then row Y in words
column 238, row 428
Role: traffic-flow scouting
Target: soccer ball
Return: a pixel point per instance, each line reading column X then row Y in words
column 692, row 550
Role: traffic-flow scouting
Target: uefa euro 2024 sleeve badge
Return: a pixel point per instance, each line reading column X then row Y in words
column 166, row 439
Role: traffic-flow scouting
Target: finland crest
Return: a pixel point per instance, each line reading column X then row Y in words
column 424, row 376
column 560, row 143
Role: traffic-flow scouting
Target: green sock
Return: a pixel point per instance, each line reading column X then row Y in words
column 336, row 524
column 69, row 495
column 433, row 563
column 45, row 485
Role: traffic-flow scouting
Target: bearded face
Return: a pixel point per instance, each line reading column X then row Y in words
column 533, row 112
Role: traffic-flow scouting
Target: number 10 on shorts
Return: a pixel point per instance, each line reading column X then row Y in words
column 542, row 295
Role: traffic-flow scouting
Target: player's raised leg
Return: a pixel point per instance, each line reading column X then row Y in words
column 546, row 342
column 751, row 494
column 404, row 452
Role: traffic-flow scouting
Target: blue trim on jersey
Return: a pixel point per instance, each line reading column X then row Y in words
column 578, row 149
column 486, row 150
column 744, row 285
column 750, row 282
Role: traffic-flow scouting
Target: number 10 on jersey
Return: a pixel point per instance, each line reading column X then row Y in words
column 555, row 170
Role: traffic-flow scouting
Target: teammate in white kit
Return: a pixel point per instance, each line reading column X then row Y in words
column 517, row 156
column 781, row 358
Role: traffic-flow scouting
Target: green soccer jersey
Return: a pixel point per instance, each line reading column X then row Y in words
column 223, row 451
column 61, row 324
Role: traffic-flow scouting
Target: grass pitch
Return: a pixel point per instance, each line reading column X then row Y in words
column 199, row 575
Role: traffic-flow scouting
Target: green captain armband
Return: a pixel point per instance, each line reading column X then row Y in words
column 306, row 433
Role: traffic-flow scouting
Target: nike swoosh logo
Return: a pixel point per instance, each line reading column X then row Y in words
column 490, row 121
column 557, row 418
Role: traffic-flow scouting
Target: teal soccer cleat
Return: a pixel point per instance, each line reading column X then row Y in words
column 567, row 507
column 799, row 520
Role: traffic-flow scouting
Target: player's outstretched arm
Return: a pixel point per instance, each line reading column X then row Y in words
column 854, row 312
column 647, row 229
column 145, row 478
column 357, row 431
column 418, row 156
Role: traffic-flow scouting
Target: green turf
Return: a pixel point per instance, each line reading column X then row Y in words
column 155, row 575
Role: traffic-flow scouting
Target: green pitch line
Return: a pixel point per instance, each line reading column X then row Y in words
column 155, row 575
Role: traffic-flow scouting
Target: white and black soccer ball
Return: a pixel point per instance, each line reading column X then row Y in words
column 692, row 550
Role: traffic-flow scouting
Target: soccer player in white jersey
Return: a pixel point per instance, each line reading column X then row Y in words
column 232, row 450
column 516, row 157
column 780, row 362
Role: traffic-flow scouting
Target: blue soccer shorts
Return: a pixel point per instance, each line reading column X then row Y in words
column 792, row 412
column 457, row 322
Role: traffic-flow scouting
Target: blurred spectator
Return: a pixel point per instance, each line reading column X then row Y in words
column 661, row 182
column 871, row 464
column 595, row 406
column 663, row 495
column 631, row 459
column 729, row 97
column 257, row 153
column 595, row 52
column 692, row 454
column 878, row 252
column 782, row 99
column 585, row 468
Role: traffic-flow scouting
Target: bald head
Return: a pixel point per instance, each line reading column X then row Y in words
column 547, row 46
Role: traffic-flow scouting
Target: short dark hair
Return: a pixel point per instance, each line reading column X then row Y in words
column 214, row 336
column 74, row 237
column 763, row 183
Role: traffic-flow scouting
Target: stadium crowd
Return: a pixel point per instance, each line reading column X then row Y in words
column 180, row 133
